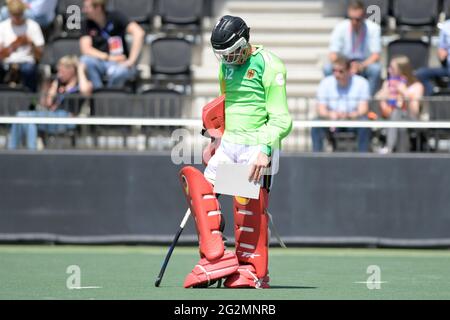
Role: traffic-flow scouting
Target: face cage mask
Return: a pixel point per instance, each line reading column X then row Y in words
column 233, row 54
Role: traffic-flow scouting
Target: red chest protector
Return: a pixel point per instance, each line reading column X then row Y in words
column 213, row 117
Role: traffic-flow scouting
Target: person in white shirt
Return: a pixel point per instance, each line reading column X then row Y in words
column 21, row 45
column 41, row 11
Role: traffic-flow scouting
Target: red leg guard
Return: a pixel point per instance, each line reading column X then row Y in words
column 251, row 233
column 206, row 211
column 215, row 263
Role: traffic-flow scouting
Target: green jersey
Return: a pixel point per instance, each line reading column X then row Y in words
column 256, row 110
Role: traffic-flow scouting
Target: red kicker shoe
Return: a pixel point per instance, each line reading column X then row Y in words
column 245, row 277
column 207, row 272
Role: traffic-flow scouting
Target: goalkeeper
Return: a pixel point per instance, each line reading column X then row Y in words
column 253, row 81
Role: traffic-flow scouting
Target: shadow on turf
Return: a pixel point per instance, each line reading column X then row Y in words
column 271, row 287
column 291, row 287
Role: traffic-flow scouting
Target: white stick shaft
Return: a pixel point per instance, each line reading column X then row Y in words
column 185, row 219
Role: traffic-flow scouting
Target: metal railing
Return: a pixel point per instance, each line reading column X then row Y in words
column 158, row 114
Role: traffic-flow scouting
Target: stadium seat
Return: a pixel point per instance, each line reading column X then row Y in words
column 109, row 102
column 141, row 11
column 423, row 14
column 417, row 51
column 159, row 103
column 171, row 60
column 14, row 99
column 183, row 15
column 112, row 102
column 57, row 49
column 342, row 141
column 384, row 6
column 446, row 8
column 62, row 16
column 439, row 109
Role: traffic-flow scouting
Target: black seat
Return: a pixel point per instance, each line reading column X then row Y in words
column 384, row 6
column 171, row 62
column 140, row 11
column 439, row 105
column 63, row 15
column 422, row 14
column 446, row 8
column 63, row 5
column 159, row 104
column 110, row 103
column 342, row 141
column 183, row 15
column 14, row 99
column 59, row 48
column 417, row 51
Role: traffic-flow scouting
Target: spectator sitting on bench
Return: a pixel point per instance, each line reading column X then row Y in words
column 71, row 79
column 342, row 96
column 400, row 98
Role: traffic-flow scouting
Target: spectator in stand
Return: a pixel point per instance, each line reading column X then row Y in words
column 41, row 11
column 103, row 45
column 426, row 75
column 359, row 40
column 400, row 98
column 342, row 96
column 71, row 79
column 21, row 46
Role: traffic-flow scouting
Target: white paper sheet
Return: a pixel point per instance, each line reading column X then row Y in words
column 232, row 179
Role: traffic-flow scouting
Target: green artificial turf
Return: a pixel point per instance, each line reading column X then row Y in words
column 129, row 272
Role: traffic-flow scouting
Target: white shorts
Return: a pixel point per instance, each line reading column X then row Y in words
column 237, row 153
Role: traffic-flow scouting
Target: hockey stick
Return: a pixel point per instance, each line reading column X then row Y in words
column 172, row 246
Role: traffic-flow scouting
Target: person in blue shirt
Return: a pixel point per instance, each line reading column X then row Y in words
column 342, row 96
column 41, row 11
column 359, row 40
column 426, row 75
